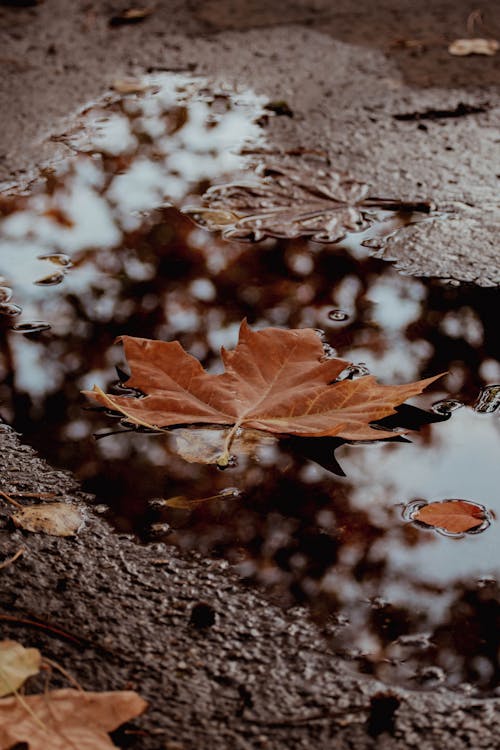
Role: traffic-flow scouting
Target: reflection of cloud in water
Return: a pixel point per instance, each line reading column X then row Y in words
column 170, row 138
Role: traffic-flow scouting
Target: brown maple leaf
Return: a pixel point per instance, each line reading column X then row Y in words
column 453, row 516
column 66, row 719
column 290, row 198
column 275, row 380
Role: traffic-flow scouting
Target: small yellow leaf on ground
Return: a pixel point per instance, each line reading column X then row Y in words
column 64, row 719
column 463, row 47
column 16, row 665
column 131, row 15
column 58, row 519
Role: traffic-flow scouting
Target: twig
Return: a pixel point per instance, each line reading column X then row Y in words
column 474, row 17
column 54, row 665
column 43, row 626
column 10, row 560
column 288, row 721
column 9, row 499
column 36, row 495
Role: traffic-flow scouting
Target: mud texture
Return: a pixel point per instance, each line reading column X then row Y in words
column 220, row 665
column 371, row 83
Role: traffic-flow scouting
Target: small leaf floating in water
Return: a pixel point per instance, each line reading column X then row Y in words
column 186, row 503
column 449, row 517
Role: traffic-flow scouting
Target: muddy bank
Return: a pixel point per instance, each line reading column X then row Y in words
column 257, row 677
column 374, row 87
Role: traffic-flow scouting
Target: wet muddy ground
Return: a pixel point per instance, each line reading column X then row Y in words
column 174, row 206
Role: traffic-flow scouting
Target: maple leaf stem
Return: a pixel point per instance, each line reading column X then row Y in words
column 395, row 205
column 225, row 456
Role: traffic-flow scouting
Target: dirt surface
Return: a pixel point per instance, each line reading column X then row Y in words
column 372, row 84
column 258, row 677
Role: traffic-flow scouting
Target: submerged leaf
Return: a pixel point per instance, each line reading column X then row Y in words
column 58, row 519
column 202, row 445
column 289, row 200
column 63, row 719
column 187, row 503
column 463, row 47
column 292, row 198
column 17, row 663
column 453, row 516
column 275, row 380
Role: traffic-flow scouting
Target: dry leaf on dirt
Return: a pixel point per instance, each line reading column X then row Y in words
column 131, row 15
column 57, row 519
column 453, row 516
column 17, row 663
column 463, row 47
column 66, row 719
column 275, row 380
column 290, row 199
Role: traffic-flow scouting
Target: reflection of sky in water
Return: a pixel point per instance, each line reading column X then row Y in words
column 100, row 205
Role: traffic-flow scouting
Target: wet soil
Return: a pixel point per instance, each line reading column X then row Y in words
column 221, row 666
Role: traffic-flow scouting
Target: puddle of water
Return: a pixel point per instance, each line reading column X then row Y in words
column 130, row 154
column 83, row 256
